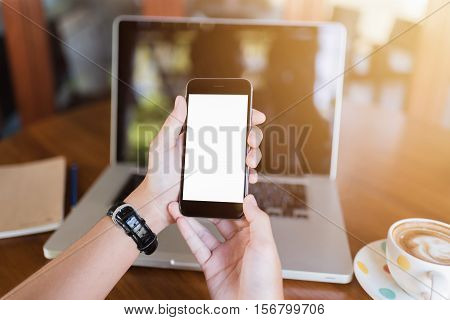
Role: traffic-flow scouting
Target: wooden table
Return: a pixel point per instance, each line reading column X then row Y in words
column 390, row 167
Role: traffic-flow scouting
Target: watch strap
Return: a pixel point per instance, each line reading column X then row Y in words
column 147, row 246
column 114, row 207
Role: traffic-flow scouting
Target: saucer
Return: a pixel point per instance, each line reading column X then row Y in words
column 373, row 273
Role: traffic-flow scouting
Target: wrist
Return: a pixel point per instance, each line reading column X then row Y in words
column 141, row 201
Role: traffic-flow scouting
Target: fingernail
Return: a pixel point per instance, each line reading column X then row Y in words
column 252, row 199
column 251, row 136
column 173, row 205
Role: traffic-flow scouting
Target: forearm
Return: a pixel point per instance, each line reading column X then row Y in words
column 89, row 268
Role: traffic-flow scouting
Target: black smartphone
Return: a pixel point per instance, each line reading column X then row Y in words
column 214, row 177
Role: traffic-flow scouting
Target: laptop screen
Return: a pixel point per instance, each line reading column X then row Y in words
column 293, row 70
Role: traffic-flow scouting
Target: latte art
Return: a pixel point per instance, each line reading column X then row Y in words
column 426, row 241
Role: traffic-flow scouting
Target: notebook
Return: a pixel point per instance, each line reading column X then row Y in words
column 32, row 197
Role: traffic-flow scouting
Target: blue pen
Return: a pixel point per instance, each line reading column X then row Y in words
column 73, row 184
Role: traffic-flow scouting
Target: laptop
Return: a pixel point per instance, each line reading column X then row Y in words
column 296, row 71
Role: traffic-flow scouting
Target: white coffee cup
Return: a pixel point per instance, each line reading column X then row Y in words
column 421, row 279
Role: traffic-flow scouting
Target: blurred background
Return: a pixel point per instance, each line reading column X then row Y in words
column 393, row 63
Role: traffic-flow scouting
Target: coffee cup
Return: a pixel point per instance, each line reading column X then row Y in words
column 418, row 257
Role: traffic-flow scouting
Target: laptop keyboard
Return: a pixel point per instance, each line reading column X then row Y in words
column 284, row 200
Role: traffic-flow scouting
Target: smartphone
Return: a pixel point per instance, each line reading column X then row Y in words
column 214, row 177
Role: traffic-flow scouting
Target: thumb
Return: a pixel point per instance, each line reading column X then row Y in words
column 174, row 210
column 174, row 123
column 259, row 220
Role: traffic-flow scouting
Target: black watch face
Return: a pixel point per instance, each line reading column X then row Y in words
column 134, row 224
column 136, row 228
column 132, row 221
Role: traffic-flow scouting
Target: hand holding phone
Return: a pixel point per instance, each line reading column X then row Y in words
column 246, row 264
column 216, row 159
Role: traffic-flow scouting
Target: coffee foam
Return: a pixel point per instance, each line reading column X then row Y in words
column 425, row 240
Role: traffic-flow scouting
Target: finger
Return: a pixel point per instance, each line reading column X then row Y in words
column 200, row 250
column 255, row 137
column 194, row 242
column 174, row 210
column 253, row 158
column 173, row 125
column 181, row 139
column 259, row 220
column 227, row 228
column 257, row 117
column 205, row 235
column 251, row 209
column 253, row 176
column 178, row 152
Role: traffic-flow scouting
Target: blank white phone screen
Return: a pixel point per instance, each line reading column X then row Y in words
column 214, row 168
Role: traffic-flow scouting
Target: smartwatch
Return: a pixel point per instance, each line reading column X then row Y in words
column 134, row 226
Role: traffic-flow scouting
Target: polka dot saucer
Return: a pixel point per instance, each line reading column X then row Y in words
column 373, row 273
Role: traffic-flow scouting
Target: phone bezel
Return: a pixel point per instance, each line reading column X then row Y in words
column 209, row 209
